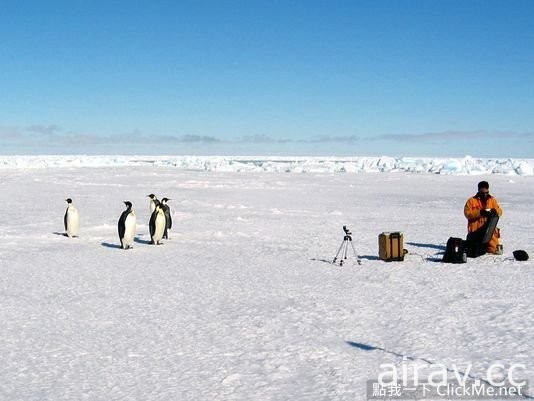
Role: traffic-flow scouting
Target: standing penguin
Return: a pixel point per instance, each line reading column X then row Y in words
column 168, row 219
column 157, row 224
column 71, row 220
column 126, row 226
column 153, row 201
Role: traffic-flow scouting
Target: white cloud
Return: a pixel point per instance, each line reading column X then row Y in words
column 440, row 137
column 51, row 129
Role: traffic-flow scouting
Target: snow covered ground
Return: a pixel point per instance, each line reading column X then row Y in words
column 241, row 303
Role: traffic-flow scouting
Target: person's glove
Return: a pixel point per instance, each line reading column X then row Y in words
column 485, row 213
column 493, row 212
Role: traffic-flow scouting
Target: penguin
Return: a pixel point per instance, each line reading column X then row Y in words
column 126, row 226
column 157, row 224
column 168, row 219
column 71, row 220
column 153, row 200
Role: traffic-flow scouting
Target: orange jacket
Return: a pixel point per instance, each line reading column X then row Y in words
column 472, row 209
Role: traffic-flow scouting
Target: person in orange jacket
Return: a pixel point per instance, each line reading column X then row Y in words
column 477, row 210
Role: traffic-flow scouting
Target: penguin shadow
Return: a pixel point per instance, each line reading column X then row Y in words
column 110, row 245
column 142, row 241
column 65, row 234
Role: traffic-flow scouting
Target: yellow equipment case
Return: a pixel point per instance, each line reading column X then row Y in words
column 391, row 246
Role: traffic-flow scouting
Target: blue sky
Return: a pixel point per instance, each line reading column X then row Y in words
column 417, row 78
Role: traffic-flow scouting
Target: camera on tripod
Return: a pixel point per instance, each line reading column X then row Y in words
column 343, row 251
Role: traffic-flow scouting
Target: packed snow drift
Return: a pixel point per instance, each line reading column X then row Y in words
column 242, row 301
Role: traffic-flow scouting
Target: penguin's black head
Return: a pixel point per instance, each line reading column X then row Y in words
column 128, row 204
column 165, row 200
column 69, row 200
column 152, row 196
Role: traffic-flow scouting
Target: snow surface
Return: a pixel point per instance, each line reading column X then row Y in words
column 242, row 303
column 460, row 166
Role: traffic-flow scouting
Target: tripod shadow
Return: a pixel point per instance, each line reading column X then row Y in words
column 321, row 260
column 369, row 257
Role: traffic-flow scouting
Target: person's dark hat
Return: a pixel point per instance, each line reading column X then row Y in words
column 483, row 184
column 520, row 255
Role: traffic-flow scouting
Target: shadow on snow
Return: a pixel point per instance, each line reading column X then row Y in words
column 109, row 245
column 432, row 246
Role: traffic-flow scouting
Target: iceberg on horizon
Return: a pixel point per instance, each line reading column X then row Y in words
column 284, row 164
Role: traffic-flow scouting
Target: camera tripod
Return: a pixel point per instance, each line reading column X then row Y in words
column 344, row 248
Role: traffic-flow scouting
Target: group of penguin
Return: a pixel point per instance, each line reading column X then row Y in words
column 159, row 225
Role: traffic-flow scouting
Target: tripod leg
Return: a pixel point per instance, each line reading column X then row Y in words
column 354, row 250
column 344, row 253
column 338, row 251
column 347, row 249
column 355, row 253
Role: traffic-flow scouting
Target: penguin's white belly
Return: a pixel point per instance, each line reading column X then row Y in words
column 73, row 222
column 129, row 230
column 160, row 227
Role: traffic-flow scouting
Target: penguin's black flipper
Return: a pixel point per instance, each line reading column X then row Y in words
column 168, row 218
column 152, row 223
column 122, row 224
column 65, row 219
